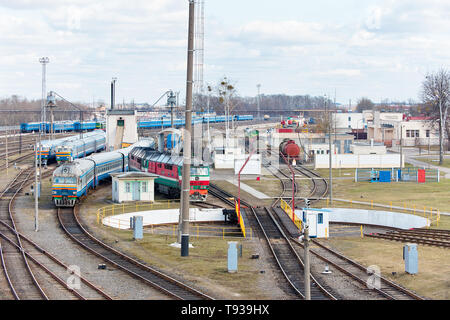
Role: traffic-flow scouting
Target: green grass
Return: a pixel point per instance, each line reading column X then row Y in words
column 428, row 196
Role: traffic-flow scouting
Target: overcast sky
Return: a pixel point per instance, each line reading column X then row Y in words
column 381, row 49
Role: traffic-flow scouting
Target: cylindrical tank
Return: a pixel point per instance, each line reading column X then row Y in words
column 290, row 149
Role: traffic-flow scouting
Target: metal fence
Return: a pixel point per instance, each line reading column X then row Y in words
column 111, row 211
column 407, row 174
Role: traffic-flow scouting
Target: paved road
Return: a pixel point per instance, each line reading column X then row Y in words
column 412, row 153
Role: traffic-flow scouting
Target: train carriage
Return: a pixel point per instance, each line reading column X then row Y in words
column 73, row 149
column 72, row 180
column 168, row 168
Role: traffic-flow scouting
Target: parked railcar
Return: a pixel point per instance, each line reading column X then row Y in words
column 85, row 125
column 47, row 152
column 169, row 170
column 72, row 180
column 73, row 149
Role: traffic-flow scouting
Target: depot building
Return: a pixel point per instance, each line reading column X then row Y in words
column 133, row 186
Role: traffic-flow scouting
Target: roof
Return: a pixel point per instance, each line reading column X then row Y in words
column 133, row 175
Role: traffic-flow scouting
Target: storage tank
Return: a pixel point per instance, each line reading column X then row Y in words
column 290, row 149
column 266, row 117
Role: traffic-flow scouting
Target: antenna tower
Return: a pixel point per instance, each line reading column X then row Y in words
column 199, row 37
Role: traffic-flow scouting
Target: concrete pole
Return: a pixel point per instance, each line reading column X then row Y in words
column 6, row 152
column 401, row 149
column 330, row 183
column 186, row 177
column 307, row 264
column 36, row 200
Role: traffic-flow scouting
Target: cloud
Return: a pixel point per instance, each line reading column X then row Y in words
column 143, row 43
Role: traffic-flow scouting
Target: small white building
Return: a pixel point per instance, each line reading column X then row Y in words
column 253, row 165
column 133, row 186
column 318, row 221
column 368, row 148
column 121, row 129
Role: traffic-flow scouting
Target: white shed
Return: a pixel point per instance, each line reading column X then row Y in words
column 318, row 221
column 133, row 186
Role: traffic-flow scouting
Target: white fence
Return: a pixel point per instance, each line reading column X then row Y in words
column 379, row 218
column 339, row 161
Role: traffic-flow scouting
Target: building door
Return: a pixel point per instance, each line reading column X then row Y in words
column 312, row 223
column 136, row 191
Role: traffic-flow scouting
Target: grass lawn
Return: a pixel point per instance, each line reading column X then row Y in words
column 435, row 195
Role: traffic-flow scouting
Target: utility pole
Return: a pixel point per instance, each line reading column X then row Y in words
column 258, row 102
column 171, row 100
column 307, row 264
column 113, row 92
column 44, row 61
column 6, row 151
column 330, row 179
column 207, row 105
column 36, row 199
column 186, row 177
column 401, row 149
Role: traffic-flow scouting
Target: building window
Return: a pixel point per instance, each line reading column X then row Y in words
column 320, row 218
column 127, row 187
column 428, row 133
column 408, row 133
column 144, row 186
column 349, row 118
column 417, row 133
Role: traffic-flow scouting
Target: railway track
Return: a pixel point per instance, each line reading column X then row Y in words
column 48, row 271
column 16, row 267
column 319, row 185
column 386, row 289
column 171, row 287
column 286, row 257
column 288, row 261
column 424, row 238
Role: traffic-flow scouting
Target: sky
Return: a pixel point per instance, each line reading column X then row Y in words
column 381, row 49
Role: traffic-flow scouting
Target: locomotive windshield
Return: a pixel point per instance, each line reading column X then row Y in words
column 65, row 180
column 199, row 171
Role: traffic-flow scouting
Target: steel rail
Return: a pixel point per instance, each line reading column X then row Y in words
column 56, row 260
column 72, row 226
column 361, row 267
column 319, row 291
column 401, row 238
column 27, row 173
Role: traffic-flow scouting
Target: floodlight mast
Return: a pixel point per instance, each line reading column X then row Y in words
column 51, row 93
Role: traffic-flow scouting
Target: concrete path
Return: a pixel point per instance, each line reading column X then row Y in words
column 249, row 189
column 411, row 153
column 419, row 163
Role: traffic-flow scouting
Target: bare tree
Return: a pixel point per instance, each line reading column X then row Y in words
column 436, row 94
column 364, row 104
